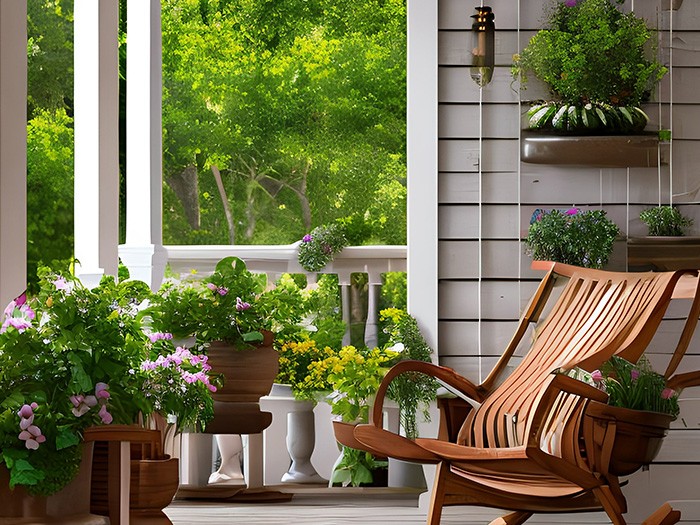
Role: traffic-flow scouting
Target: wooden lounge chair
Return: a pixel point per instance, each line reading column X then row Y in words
column 533, row 442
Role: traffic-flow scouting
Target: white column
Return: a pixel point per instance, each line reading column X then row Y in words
column 13, row 149
column 143, row 252
column 96, row 94
column 422, row 166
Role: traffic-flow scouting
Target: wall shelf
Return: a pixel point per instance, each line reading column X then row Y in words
column 600, row 151
column 663, row 253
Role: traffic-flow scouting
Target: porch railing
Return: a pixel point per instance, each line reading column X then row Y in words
column 275, row 260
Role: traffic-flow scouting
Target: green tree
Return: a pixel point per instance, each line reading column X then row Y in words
column 301, row 107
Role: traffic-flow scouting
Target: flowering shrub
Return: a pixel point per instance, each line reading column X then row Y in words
column 635, row 386
column 177, row 382
column 296, row 365
column 231, row 305
column 71, row 358
column 65, row 362
column 571, row 237
column 319, row 247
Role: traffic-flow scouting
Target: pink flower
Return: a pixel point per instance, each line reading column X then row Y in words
column 82, row 404
column 212, row 286
column 634, row 374
column 32, row 437
column 105, row 416
column 572, row 211
column 306, row 238
column 241, row 305
column 597, row 376
column 668, row 393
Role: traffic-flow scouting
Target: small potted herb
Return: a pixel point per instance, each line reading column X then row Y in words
column 665, row 221
column 666, row 247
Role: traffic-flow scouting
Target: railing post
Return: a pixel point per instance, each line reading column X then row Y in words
column 345, row 308
column 371, row 330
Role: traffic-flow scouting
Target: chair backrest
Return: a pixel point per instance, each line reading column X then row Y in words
column 597, row 315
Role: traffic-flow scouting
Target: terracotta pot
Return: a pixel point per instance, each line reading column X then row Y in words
column 71, row 505
column 638, row 435
column 248, row 376
column 248, row 373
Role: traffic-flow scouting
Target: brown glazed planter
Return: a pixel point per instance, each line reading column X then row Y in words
column 248, row 376
column 71, row 505
column 638, row 435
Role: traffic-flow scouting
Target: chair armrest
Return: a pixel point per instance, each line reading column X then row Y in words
column 559, row 383
column 447, row 376
column 680, row 381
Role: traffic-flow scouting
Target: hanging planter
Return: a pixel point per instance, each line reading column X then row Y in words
column 636, row 435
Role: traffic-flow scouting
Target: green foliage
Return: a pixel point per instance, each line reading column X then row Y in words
column 592, row 53
column 573, row 237
column 355, row 467
column 300, row 106
column 636, row 386
column 319, row 247
column 586, row 119
column 411, row 390
column 49, row 188
column 665, row 220
column 231, row 305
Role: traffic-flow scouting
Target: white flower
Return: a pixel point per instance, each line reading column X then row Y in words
column 398, row 348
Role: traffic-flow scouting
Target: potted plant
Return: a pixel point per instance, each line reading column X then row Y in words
column 596, row 60
column 232, row 317
column 665, row 221
column 71, row 358
column 640, row 404
column 666, row 247
column 572, row 236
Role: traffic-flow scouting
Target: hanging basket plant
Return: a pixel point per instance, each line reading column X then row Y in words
column 599, row 64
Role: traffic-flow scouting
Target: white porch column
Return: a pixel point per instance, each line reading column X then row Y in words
column 96, row 96
column 422, row 149
column 13, row 149
column 143, row 252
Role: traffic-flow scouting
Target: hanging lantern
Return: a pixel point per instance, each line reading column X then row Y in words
column 482, row 46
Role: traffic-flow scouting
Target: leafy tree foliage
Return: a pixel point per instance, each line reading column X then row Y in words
column 300, row 105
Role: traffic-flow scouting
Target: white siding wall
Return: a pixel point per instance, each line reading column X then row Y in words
column 486, row 196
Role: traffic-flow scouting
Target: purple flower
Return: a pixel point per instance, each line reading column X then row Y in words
column 60, row 283
column 212, row 286
column 634, row 374
column 105, row 416
column 307, row 238
column 241, row 305
column 101, row 391
column 221, row 290
column 570, row 3
column 572, row 211
column 160, row 336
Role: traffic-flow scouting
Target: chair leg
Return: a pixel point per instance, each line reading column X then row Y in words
column 438, row 496
column 664, row 515
column 514, row 518
column 610, row 505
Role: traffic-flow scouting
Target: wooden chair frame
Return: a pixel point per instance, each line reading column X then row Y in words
column 525, row 445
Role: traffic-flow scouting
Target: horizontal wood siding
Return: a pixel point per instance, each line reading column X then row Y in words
column 486, row 197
